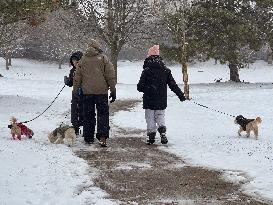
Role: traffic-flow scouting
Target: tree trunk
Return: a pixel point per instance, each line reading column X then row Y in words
column 60, row 64
column 185, row 67
column 8, row 57
column 61, row 60
column 234, row 72
column 114, row 59
column 269, row 58
column 9, row 60
column 7, row 63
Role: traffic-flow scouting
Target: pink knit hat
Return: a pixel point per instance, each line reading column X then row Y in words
column 153, row 51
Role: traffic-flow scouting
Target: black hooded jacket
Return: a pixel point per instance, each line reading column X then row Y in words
column 153, row 83
column 77, row 99
column 75, row 56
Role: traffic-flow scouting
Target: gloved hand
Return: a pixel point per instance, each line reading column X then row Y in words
column 113, row 96
column 80, row 91
column 65, row 80
column 182, row 98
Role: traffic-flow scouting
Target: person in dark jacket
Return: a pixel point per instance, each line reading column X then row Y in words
column 153, row 83
column 77, row 98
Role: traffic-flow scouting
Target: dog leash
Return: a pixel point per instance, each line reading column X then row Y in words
column 46, row 108
column 204, row 106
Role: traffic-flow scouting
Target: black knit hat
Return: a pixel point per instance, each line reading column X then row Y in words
column 76, row 56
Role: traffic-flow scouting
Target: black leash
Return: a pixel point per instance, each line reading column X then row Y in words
column 46, row 108
column 204, row 106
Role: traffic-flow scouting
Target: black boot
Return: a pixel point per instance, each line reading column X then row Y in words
column 77, row 130
column 151, row 139
column 162, row 131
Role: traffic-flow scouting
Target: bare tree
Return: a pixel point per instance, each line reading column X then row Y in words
column 57, row 37
column 63, row 38
column 14, row 17
column 11, row 35
column 116, row 21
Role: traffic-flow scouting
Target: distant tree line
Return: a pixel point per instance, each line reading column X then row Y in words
column 235, row 32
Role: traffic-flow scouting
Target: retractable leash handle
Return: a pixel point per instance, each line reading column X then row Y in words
column 204, row 106
column 46, row 108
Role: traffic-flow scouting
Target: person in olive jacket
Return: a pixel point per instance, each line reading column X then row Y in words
column 77, row 98
column 153, row 83
column 95, row 75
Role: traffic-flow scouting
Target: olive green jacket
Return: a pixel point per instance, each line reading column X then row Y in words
column 95, row 74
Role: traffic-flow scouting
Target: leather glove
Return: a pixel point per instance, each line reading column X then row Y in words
column 65, row 80
column 113, row 96
column 182, row 98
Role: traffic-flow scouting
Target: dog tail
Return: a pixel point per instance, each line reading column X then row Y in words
column 258, row 119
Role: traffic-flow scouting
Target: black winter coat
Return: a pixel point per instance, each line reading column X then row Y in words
column 153, row 83
column 76, row 102
column 70, row 77
column 77, row 99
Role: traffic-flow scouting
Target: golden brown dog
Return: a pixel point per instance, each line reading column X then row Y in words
column 248, row 125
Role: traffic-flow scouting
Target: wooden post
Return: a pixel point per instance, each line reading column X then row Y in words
column 185, row 68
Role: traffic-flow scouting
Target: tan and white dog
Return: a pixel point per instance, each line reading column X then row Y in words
column 63, row 135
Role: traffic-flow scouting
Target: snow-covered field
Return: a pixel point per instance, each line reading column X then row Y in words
column 37, row 172
column 210, row 139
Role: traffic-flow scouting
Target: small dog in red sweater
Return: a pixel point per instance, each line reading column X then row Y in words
column 18, row 129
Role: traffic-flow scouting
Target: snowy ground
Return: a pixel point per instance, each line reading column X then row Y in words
column 37, row 172
column 210, row 139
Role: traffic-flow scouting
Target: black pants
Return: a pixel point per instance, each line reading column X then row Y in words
column 77, row 110
column 91, row 103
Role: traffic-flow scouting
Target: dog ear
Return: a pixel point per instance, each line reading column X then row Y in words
column 258, row 119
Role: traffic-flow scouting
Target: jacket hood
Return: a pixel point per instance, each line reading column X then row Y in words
column 94, row 48
column 92, row 52
column 155, row 62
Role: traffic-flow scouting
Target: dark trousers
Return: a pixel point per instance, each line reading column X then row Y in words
column 91, row 104
column 77, row 110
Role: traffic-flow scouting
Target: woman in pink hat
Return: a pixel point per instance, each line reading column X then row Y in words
column 153, row 83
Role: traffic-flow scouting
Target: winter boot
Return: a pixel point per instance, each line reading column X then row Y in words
column 102, row 142
column 151, row 139
column 162, row 131
column 88, row 143
column 88, row 140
